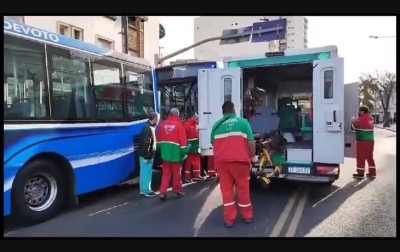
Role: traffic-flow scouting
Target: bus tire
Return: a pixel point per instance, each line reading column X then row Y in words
column 39, row 192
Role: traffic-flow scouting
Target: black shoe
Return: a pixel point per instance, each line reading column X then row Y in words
column 198, row 179
column 150, row 194
column 358, row 176
column 229, row 225
column 371, row 176
column 163, row 197
column 188, row 181
column 179, row 195
column 248, row 221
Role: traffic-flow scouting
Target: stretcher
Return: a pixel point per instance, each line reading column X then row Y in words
column 270, row 154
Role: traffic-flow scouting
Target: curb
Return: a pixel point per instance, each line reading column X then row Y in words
column 389, row 129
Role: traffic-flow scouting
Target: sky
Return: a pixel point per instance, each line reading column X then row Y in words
column 350, row 34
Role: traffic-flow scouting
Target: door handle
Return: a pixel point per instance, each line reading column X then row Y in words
column 334, row 116
column 207, row 113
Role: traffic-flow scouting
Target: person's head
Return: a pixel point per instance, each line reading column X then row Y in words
column 363, row 110
column 154, row 118
column 174, row 112
column 193, row 117
column 228, row 108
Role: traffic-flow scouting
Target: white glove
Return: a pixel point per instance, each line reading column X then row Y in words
column 254, row 159
column 184, row 158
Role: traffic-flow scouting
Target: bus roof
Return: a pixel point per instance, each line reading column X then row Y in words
column 288, row 52
column 185, row 64
column 32, row 33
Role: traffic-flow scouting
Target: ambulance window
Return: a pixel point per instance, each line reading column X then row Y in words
column 328, row 84
column 227, row 89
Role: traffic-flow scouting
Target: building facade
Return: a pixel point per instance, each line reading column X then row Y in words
column 210, row 26
column 105, row 31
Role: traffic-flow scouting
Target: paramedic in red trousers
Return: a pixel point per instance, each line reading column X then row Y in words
column 234, row 147
column 364, row 127
column 192, row 163
column 172, row 142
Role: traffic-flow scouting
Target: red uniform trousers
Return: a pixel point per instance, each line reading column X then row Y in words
column 192, row 166
column 212, row 167
column 365, row 152
column 171, row 169
column 231, row 175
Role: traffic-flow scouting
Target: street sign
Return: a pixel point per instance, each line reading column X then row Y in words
column 269, row 36
column 230, row 32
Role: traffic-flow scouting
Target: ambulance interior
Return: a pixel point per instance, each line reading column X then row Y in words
column 279, row 98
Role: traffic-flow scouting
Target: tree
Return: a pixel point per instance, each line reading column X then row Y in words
column 367, row 92
column 384, row 86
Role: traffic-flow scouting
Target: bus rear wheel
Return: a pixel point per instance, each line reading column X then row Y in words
column 39, row 192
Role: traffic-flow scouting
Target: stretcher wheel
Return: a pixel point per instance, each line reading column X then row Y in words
column 265, row 182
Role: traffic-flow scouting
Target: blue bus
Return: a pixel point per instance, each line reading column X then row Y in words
column 177, row 86
column 73, row 113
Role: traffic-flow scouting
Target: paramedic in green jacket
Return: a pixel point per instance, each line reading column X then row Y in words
column 173, row 143
column 364, row 127
column 146, row 152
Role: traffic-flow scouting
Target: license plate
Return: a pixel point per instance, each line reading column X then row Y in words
column 300, row 170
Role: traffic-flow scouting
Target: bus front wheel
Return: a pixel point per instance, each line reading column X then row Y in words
column 39, row 191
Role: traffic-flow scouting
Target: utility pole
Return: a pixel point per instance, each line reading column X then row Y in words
column 124, row 25
column 159, row 60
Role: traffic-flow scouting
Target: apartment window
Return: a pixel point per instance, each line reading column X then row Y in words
column 227, row 89
column 328, row 84
column 69, row 31
column 104, row 42
column 77, row 33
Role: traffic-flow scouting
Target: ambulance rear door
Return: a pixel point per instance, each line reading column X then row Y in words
column 328, row 111
column 351, row 94
column 215, row 86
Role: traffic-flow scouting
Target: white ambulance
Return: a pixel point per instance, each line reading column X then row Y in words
column 318, row 143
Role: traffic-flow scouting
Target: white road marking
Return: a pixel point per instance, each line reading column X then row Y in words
column 291, row 232
column 284, row 215
column 130, row 202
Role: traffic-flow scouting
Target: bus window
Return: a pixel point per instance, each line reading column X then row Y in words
column 25, row 84
column 71, row 96
column 139, row 93
column 109, row 91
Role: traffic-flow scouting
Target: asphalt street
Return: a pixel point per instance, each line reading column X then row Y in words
column 348, row 208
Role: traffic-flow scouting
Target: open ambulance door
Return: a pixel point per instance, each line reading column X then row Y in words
column 215, row 86
column 328, row 111
column 351, row 94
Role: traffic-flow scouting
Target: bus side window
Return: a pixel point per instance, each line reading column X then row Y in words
column 109, row 90
column 72, row 96
column 139, row 94
column 25, row 83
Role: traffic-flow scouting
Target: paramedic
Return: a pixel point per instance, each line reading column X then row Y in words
column 146, row 152
column 234, row 147
column 172, row 142
column 192, row 163
column 364, row 127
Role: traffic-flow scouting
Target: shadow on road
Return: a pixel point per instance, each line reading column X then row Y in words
column 324, row 201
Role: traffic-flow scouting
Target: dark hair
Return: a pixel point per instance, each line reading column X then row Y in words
column 153, row 115
column 364, row 109
column 228, row 107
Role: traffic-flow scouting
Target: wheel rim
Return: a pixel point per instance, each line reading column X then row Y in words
column 40, row 192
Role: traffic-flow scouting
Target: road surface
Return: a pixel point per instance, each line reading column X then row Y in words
column 348, row 208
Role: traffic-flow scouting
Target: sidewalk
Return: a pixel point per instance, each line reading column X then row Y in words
column 391, row 128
